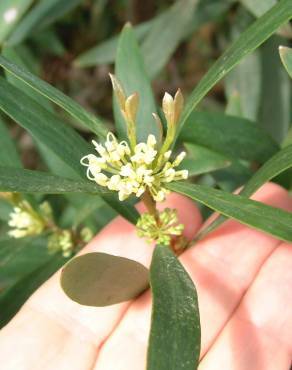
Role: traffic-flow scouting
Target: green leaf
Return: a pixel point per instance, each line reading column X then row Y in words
column 25, row 265
column 234, row 102
column 275, row 112
column 271, row 220
column 56, row 96
column 105, row 52
column 258, row 7
column 245, row 79
column 40, row 16
column 10, row 13
column 232, row 177
column 124, row 208
column 44, row 126
column 5, row 210
column 27, row 181
column 85, row 206
column 175, row 335
column 248, row 41
column 54, row 163
column 8, row 153
column 272, row 168
column 129, row 59
column 244, row 139
column 202, row 160
column 49, row 42
column 14, row 55
column 286, row 58
column 165, row 35
column 100, row 279
column 276, row 165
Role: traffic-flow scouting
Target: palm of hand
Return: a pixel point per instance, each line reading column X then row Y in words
column 244, row 283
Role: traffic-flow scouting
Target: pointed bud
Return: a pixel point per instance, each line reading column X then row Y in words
column 168, row 108
column 7, row 196
column 118, row 90
column 178, row 105
column 131, row 107
column 159, row 125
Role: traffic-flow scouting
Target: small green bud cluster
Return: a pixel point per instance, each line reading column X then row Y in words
column 160, row 230
column 61, row 240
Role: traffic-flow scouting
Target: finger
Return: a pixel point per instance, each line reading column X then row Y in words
column 222, row 266
column 225, row 263
column 259, row 334
column 56, row 313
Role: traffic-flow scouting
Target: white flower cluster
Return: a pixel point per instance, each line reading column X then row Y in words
column 25, row 221
column 133, row 171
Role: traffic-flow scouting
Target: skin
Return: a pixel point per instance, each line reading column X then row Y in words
column 244, row 283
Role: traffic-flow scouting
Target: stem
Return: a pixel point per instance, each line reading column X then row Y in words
column 150, row 204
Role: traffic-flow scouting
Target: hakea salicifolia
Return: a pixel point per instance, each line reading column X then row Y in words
column 141, row 169
column 25, row 221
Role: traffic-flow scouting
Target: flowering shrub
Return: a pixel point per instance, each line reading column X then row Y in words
column 203, row 154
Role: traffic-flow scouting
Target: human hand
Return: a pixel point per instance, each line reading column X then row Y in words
column 244, row 283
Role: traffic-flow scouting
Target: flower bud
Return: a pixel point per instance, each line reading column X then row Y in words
column 178, row 105
column 119, row 92
column 131, row 107
column 168, row 108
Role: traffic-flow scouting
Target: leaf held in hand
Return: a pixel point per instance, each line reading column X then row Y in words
column 100, row 279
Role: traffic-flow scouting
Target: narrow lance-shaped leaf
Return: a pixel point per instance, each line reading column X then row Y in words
column 244, row 140
column 202, row 160
column 273, row 167
column 100, row 279
column 27, row 181
column 8, row 152
column 271, row 220
column 105, row 51
column 14, row 56
column 129, row 59
column 245, row 80
column 276, row 165
column 248, row 41
column 167, row 32
column 43, row 125
column 56, row 96
column 259, row 7
column 175, row 336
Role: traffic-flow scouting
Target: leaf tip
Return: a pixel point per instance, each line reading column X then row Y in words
column 127, row 26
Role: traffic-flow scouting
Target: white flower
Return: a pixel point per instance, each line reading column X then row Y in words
column 133, row 171
column 25, row 221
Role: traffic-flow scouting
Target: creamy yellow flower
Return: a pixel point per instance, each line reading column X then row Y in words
column 133, row 171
